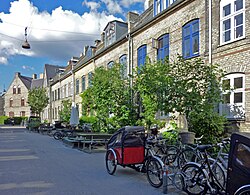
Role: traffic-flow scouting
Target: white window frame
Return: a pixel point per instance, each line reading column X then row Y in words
column 231, row 17
column 234, row 110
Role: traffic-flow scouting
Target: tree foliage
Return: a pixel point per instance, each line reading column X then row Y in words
column 109, row 98
column 64, row 113
column 189, row 87
column 37, row 100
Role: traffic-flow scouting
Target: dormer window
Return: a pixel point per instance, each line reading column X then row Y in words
column 110, row 33
column 160, row 5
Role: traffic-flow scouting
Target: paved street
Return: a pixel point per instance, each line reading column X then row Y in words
column 32, row 163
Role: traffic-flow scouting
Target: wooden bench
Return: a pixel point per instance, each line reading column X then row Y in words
column 72, row 142
column 94, row 141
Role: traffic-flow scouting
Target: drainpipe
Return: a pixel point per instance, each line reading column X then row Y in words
column 210, row 32
column 73, row 85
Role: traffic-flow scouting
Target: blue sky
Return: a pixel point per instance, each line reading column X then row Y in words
column 57, row 30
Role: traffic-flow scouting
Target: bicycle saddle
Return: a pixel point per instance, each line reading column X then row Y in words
column 202, row 148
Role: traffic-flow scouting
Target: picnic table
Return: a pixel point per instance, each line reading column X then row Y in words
column 88, row 141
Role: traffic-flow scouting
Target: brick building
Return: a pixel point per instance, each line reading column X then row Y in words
column 217, row 31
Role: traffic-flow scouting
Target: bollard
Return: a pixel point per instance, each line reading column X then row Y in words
column 165, row 180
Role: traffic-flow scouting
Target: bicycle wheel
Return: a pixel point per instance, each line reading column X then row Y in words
column 169, row 159
column 195, row 179
column 111, row 162
column 57, row 135
column 244, row 190
column 154, row 172
column 185, row 156
column 218, row 171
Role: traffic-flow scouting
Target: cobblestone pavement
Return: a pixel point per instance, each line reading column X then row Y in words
column 31, row 163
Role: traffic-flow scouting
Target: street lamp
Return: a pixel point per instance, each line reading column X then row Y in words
column 26, row 45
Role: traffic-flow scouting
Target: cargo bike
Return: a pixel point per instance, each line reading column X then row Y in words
column 129, row 147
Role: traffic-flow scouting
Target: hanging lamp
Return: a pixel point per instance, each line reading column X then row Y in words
column 26, row 45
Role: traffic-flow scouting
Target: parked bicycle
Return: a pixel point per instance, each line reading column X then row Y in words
column 63, row 133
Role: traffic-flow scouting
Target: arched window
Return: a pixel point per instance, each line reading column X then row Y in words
column 163, row 47
column 124, row 63
column 233, row 105
column 11, row 114
column 110, row 64
column 22, row 102
column 77, row 86
column 190, row 39
column 19, row 89
column 141, row 55
column 14, row 89
column 11, row 102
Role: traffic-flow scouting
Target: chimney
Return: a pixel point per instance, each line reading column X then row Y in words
column 17, row 74
column 102, row 37
column 132, row 19
column 41, row 76
column 93, row 49
column 85, row 50
column 97, row 42
column 34, row 76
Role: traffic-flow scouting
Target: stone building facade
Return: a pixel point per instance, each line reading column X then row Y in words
column 2, row 104
column 216, row 31
column 17, row 95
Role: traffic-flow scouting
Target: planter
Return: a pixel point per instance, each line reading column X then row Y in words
column 187, row 137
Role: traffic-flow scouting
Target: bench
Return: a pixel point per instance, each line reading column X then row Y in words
column 94, row 140
column 72, row 142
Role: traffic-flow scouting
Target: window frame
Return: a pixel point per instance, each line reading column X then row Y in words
column 141, row 55
column 190, row 37
column 123, row 60
column 231, row 16
column 83, row 83
column 14, row 89
column 11, row 102
column 231, row 105
column 159, row 50
column 77, row 86
column 18, row 89
column 110, row 64
column 22, row 101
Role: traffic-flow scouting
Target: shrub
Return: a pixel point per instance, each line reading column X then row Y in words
column 92, row 120
column 2, row 119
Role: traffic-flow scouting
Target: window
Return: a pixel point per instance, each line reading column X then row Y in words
column 110, row 64
column 22, row 113
column 11, row 114
column 77, row 86
column 11, row 102
column 58, row 91
column 232, row 20
column 163, row 47
column 160, row 5
column 110, row 33
column 22, row 102
column 83, row 83
column 141, row 55
column 66, row 90
column 123, row 62
column 90, row 75
column 190, row 39
column 14, row 90
column 19, row 89
column 233, row 105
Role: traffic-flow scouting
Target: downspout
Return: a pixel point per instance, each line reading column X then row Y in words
column 210, row 33
column 73, row 85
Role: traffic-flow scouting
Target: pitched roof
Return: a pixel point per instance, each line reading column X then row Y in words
column 51, row 70
column 26, row 81
column 36, row 83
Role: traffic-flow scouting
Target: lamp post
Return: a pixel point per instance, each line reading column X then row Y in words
column 26, row 45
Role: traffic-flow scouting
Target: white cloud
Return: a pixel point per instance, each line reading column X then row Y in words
column 91, row 4
column 112, row 6
column 3, row 60
column 27, row 67
column 47, row 32
column 127, row 3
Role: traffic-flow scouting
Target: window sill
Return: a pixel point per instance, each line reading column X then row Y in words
column 237, row 119
column 194, row 56
column 230, row 42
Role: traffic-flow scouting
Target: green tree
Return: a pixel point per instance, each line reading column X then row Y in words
column 37, row 100
column 64, row 113
column 189, row 87
column 109, row 98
